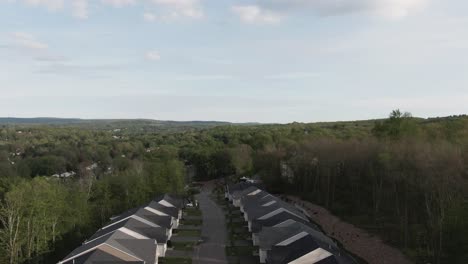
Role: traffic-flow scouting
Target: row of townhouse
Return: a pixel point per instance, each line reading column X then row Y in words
column 138, row 236
column 282, row 231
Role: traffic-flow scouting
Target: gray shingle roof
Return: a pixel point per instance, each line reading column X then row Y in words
column 295, row 250
column 241, row 193
column 172, row 211
column 144, row 249
column 257, row 225
column 99, row 257
column 258, row 211
column 163, row 221
column 132, row 235
column 263, row 203
column 260, row 199
column 172, row 199
column 159, row 234
column 270, row 236
column 239, row 186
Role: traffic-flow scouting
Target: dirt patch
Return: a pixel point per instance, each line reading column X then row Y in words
column 367, row 246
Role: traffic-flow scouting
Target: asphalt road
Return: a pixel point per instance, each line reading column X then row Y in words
column 214, row 235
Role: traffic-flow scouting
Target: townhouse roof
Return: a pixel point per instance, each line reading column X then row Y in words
column 123, row 243
column 302, row 248
column 135, row 225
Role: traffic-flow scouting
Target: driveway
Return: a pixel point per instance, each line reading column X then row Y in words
column 214, row 235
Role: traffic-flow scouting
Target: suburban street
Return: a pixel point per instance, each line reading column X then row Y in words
column 214, row 236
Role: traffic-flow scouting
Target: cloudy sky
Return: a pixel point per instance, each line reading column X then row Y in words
column 241, row 61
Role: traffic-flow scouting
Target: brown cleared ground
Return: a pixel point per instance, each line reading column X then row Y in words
column 369, row 247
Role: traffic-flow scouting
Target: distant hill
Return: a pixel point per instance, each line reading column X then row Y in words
column 39, row 120
column 142, row 125
column 54, row 120
column 148, row 125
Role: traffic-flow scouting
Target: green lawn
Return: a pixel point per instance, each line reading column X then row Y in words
column 240, row 236
column 241, row 250
column 192, row 222
column 193, row 212
column 175, row 261
column 236, row 224
column 189, row 233
column 235, row 212
column 184, row 246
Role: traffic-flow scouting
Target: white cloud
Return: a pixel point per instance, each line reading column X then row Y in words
column 180, row 8
column 293, row 75
column 150, row 17
column 63, row 67
column 49, row 4
column 167, row 9
column 153, row 55
column 256, row 14
column 251, row 11
column 272, row 11
column 28, row 46
column 80, row 9
column 50, row 58
column 213, row 77
column 118, row 3
column 398, row 8
column 27, row 41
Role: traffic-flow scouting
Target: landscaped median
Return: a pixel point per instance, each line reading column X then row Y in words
column 192, row 217
column 188, row 233
column 175, row 261
column 246, row 251
column 184, row 246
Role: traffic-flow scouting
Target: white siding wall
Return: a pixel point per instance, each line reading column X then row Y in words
column 162, row 250
column 157, row 254
column 169, row 233
column 263, row 256
column 255, row 239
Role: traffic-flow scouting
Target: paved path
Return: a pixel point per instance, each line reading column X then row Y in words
column 214, row 235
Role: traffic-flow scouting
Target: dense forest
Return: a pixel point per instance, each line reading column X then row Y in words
column 402, row 178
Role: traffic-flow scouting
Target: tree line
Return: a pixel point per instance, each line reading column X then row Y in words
column 400, row 182
column 43, row 218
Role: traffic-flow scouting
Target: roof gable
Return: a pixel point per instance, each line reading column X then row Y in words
column 257, row 224
column 107, row 243
column 313, row 257
column 277, row 211
column 292, row 239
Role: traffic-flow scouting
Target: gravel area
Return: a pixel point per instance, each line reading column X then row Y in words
column 367, row 246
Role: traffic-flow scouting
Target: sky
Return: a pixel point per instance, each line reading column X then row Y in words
column 273, row 61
